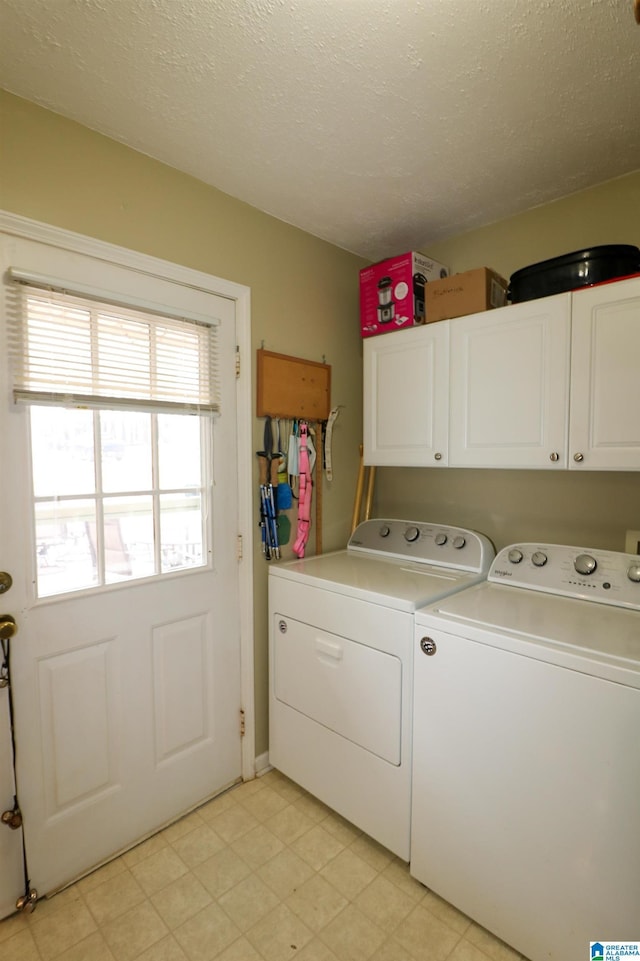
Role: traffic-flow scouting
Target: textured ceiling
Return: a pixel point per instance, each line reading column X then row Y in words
column 378, row 125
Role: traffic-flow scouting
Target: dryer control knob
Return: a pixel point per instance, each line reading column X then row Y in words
column 585, row 564
column 634, row 573
column 385, row 531
column 411, row 534
column 459, row 542
column 515, row 556
column 539, row 559
column 440, row 539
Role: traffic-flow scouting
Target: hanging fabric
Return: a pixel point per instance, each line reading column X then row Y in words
column 306, row 489
column 268, row 465
column 283, row 493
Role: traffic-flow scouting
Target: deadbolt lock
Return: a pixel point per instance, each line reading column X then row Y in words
column 6, row 581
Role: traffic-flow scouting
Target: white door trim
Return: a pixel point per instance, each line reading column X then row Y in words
column 24, row 227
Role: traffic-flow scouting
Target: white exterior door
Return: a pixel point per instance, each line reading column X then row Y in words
column 126, row 696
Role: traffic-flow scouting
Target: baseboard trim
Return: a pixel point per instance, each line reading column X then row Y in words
column 262, row 764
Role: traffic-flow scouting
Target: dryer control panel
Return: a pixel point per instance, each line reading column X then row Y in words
column 607, row 577
column 424, row 543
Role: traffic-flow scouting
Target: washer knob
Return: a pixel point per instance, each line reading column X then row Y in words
column 515, row 556
column 411, row 534
column 384, row 531
column 440, row 539
column 634, row 573
column 459, row 542
column 585, row 564
column 539, row 559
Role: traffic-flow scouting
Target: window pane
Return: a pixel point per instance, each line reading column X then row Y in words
column 128, row 538
column 179, row 451
column 65, row 554
column 181, row 531
column 125, row 438
column 62, row 451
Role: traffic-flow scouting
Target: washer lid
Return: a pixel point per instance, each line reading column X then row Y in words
column 398, row 584
column 583, row 635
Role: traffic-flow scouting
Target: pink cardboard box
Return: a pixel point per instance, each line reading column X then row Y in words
column 392, row 292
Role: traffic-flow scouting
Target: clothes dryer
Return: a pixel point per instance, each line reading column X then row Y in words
column 341, row 664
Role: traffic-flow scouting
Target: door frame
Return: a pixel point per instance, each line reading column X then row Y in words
column 24, row 227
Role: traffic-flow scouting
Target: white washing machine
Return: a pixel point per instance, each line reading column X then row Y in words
column 526, row 782
column 341, row 664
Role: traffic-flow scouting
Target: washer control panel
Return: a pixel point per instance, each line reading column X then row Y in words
column 424, row 543
column 608, row 577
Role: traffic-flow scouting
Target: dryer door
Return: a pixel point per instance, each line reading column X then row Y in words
column 347, row 687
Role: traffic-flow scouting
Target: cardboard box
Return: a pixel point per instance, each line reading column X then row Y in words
column 392, row 292
column 466, row 293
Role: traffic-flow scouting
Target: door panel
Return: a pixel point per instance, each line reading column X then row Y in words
column 509, row 386
column 127, row 697
column 180, row 661
column 406, row 400
column 78, row 726
column 605, row 347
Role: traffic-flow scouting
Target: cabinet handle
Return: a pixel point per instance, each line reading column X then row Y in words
column 578, row 458
column 438, row 456
column 554, row 456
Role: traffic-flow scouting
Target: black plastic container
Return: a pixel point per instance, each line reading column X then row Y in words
column 571, row 271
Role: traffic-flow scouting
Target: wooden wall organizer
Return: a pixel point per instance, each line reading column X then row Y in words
column 292, row 387
column 296, row 389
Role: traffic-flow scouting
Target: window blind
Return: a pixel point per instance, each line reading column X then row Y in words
column 73, row 350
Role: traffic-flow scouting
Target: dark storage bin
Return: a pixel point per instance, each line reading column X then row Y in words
column 571, row 271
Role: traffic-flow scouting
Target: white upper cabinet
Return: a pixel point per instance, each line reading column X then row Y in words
column 548, row 384
column 406, row 397
column 509, row 386
column 605, row 377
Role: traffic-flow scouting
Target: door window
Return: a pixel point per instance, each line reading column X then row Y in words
column 118, row 495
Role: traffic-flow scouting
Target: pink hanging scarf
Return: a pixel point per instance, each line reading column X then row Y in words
column 304, row 499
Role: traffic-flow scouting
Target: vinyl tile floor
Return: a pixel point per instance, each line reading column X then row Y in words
column 264, row 872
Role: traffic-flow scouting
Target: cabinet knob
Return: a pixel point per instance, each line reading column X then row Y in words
column 554, row 456
column 438, row 456
column 578, row 458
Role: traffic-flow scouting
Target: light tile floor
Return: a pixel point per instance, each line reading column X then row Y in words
column 262, row 873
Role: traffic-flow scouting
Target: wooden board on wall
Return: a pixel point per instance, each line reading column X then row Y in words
column 292, row 387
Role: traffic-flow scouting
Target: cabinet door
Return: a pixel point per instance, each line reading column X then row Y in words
column 406, row 397
column 605, row 378
column 509, row 386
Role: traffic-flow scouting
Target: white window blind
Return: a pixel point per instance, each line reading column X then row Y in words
column 74, row 350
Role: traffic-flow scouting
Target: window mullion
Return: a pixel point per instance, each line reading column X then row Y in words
column 97, row 457
column 155, row 480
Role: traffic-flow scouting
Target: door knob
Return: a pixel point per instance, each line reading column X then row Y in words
column 8, row 626
column 13, row 819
